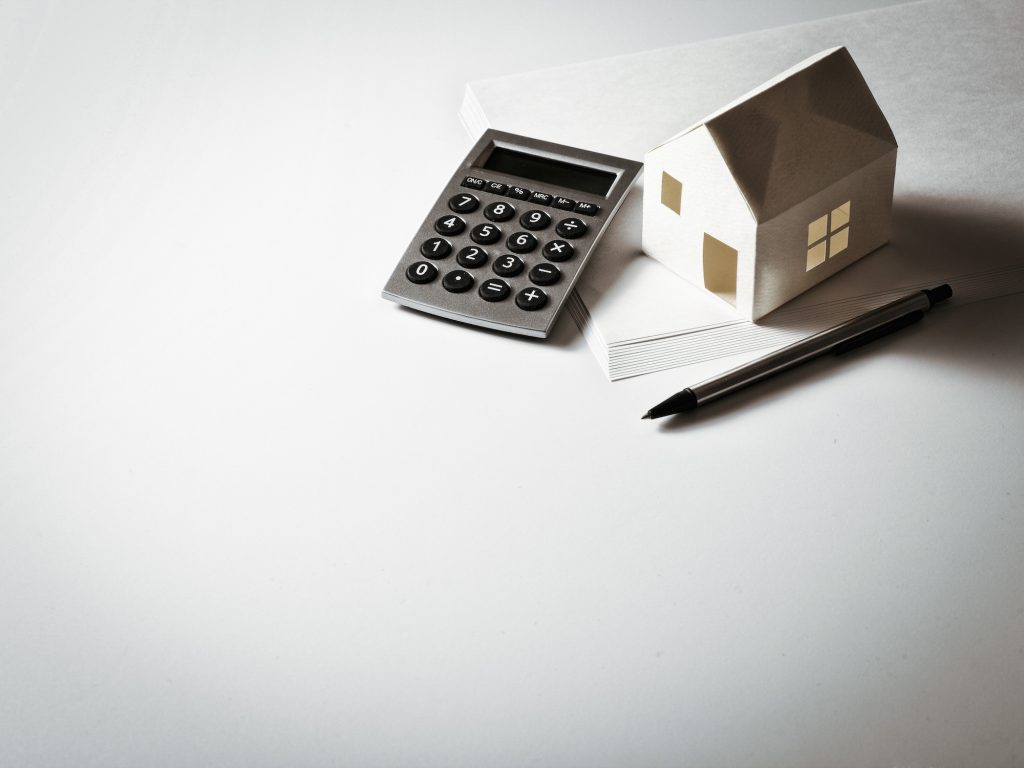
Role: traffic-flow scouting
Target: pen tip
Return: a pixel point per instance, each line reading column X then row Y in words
column 645, row 416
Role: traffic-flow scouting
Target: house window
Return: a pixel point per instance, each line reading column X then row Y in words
column 720, row 268
column 828, row 236
column 671, row 192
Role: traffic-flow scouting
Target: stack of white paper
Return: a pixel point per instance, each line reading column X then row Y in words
column 950, row 80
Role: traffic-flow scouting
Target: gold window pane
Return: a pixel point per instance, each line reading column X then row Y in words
column 671, row 192
column 720, row 262
column 841, row 216
column 838, row 242
column 817, row 229
column 815, row 256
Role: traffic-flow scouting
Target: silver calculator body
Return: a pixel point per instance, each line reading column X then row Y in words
column 510, row 233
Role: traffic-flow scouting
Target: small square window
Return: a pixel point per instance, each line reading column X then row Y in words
column 815, row 256
column 838, row 242
column 841, row 216
column 817, row 229
column 671, row 192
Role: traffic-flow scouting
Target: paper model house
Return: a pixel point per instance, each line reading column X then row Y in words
column 776, row 191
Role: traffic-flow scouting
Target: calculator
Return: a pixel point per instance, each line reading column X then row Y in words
column 510, row 233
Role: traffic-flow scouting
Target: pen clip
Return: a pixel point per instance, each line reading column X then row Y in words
column 878, row 332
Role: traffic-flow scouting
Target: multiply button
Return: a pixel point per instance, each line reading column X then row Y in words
column 531, row 299
column 457, row 281
column 545, row 274
column 449, row 225
column 571, row 228
column 558, row 250
column 494, row 290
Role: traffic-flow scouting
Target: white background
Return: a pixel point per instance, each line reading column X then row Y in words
column 252, row 514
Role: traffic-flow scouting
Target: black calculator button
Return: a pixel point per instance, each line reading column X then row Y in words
column 495, row 187
column 499, row 211
column 457, row 281
column 421, row 272
column 521, row 242
column 558, row 250
column 449, row 225
column 464, row 203
column 564, row 203
column 531, row 299
column 494, row 290
column 518, row 193
column 473, row 182
column 571, row 228
column 534, row 220
column 471, row 256
column 436, row 248
column 545, row 274
column 508, row 265
column 587, row 209
column 485, row 234
column 541, row 198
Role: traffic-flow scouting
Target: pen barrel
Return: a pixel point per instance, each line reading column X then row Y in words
column 809, row 348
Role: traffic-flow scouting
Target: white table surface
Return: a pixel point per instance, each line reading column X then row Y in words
column 253, row 515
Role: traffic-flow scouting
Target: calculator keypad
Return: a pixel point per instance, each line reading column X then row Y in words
column 504, row 256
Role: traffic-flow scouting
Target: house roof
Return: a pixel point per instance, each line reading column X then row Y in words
column 800, row 132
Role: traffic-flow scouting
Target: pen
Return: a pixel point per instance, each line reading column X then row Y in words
column 838, row 339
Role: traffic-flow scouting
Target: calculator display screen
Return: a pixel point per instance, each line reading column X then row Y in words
column 546, row 170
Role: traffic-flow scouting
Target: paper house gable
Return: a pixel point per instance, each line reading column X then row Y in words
column 776, row 191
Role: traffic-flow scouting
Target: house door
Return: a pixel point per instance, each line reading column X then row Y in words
column 720, row 268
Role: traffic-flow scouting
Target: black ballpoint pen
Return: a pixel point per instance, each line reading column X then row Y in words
column 838, row 339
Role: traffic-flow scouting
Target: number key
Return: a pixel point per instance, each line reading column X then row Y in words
column 421, row 272
column 471, row 256
column 521, row 242
column 449, row 225
column 485, row 234
column 435, row 248
column 499, row 211
column 508, row 266
column 534, row 220
column 464, row 203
